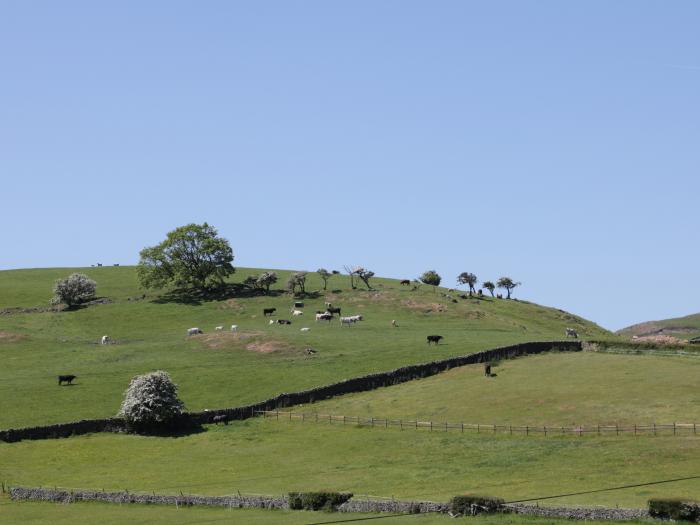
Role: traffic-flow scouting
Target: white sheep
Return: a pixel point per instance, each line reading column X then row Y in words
column 234, row 328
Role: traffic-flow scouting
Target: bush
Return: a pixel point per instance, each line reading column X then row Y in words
column 674, row 509
column 317, row 500
column 151, row 402
column 471, row 504
column 75, row 289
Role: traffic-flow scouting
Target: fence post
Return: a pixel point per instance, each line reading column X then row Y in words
column 343, row 420
column 302, row 417
column 654, row 428
column 599, row 429
column 401, row 424
column 462, row 427
column 316, row 417
column 278, row 415
column 674, row 428
column 510, row 429
column 617, row 429
column 445, row 426
column 329, row 419
column 545, row 431
column 527, row 430
column 494, row 429
column 290, row 415
column 372, row 421
column 431, row 426
column 694, row 428
column 478, row 430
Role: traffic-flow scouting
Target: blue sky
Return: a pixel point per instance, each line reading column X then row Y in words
column 554, row 142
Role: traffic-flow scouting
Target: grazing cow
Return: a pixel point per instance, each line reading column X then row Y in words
column 480, row 292
column 222, row 418
column 219, row 328
column 297, row 313
column 298, row 304
column 68, row 379
column 499, row 296
column 394, row 323
column 194, row 331
column 309, row 351
column 105, row 340
column 324, row 317
column 269, row 311
column 570, row 332
column 283, row 321
column 434, row 339
column 347, row 321
column 305, row 329
column 406, row 282
column 331, row 310
column 234, row 328
column 99, row 264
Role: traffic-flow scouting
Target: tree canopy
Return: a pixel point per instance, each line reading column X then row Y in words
column 325, row 275
column 489, row 286
column 150, row 401
column 468, row 279
column 75, row 289
column 191, row 256
column 431, row 277
column 508, row 284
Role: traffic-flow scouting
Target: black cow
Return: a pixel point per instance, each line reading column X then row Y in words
column 269, row 311
column 434, row 339
column 68, row 379
column 332, row 310
column 487, row 369
column 283, row 321
column 298, row 304
column 406, row 282
column 223, row 418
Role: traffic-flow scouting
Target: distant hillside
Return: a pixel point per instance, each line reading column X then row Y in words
column 686, row 327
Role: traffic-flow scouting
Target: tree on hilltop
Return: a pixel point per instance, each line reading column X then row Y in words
column 508, row 284
column 432, row 278
column 325, row 275
column 489, row 286
column 191, row 256
column 468, row 279
column 297, row 280
column 75, row 289
column 364, row 274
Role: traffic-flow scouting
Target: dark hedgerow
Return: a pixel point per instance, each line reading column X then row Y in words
column 469, row 504
column 674, row 509
column 317, row 500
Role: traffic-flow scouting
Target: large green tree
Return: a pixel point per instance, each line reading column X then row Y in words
column 507, row 283
column 431, row 278
column 468, row 279
column 192, row 256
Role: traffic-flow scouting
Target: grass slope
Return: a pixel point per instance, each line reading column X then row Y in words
column 218, row 369
column 556, row 389
column 686, row 327
column 274, row 457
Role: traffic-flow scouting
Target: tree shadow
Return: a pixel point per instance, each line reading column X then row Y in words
column 195, row 297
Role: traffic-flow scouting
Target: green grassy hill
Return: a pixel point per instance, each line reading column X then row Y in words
column 686, row 327
column 221, row 369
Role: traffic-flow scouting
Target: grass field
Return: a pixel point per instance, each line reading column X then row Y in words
column 556, row 389
column 270, row 457
column 220, row 370
column 681, row 327
column 34, row 513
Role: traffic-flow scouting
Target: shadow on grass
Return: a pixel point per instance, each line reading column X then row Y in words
column 194, row 297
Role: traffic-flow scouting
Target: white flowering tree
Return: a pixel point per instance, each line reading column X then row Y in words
column 151, row 401
column 75, row 289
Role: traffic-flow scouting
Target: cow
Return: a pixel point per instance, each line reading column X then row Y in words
column 218, row 328
column 356, row 318
column 331, row 310
column 234, row 328
column 487, row 369
column 328, row 305
column 194, row 331
column 269, row 311
column 347, row 321
column 480, row 292
column 434, row 339
column 570, row 332
column 298, row 304
column 394, row 323
column 222, row 418
column 405, row 282
column 283, row 321
column 68, row 379
column 325, row 316
column 305, row 329
column 297, row 313
column 105, row 340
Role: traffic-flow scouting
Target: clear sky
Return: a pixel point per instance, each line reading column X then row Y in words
column 554, row 142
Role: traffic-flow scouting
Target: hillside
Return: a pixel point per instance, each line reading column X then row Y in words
column 219, row 369
column 687, row 327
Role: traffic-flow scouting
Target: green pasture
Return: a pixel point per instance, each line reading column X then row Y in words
column 274, row 457
column 555, row 389
column 222, row 370
column 37, row 513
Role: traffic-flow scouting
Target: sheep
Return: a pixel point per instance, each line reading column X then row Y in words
column 570, row 332
column 218, row 328
column 297, row 313
column 347, row 321
column 272, row 321
column 305, row 329
column 234, row 328
column 394, row 323
column 194, row 331
column 105, row 340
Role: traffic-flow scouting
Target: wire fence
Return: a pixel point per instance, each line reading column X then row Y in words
column 675, row 429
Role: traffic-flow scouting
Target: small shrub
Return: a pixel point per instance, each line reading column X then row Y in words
column 674, row 509
column 470, row 504
column 75, row 289
column 328, row 501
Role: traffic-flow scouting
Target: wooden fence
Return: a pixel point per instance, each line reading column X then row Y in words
column 675, row 429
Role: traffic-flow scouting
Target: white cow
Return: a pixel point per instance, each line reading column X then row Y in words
column 234, row 328
column 570, row 332
column 105, row 340
column 297, row 313
column 219, row 328
column 347, row 321
column 324, row 317
column 304, row 329
column 394, row 323
column 194, row 331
